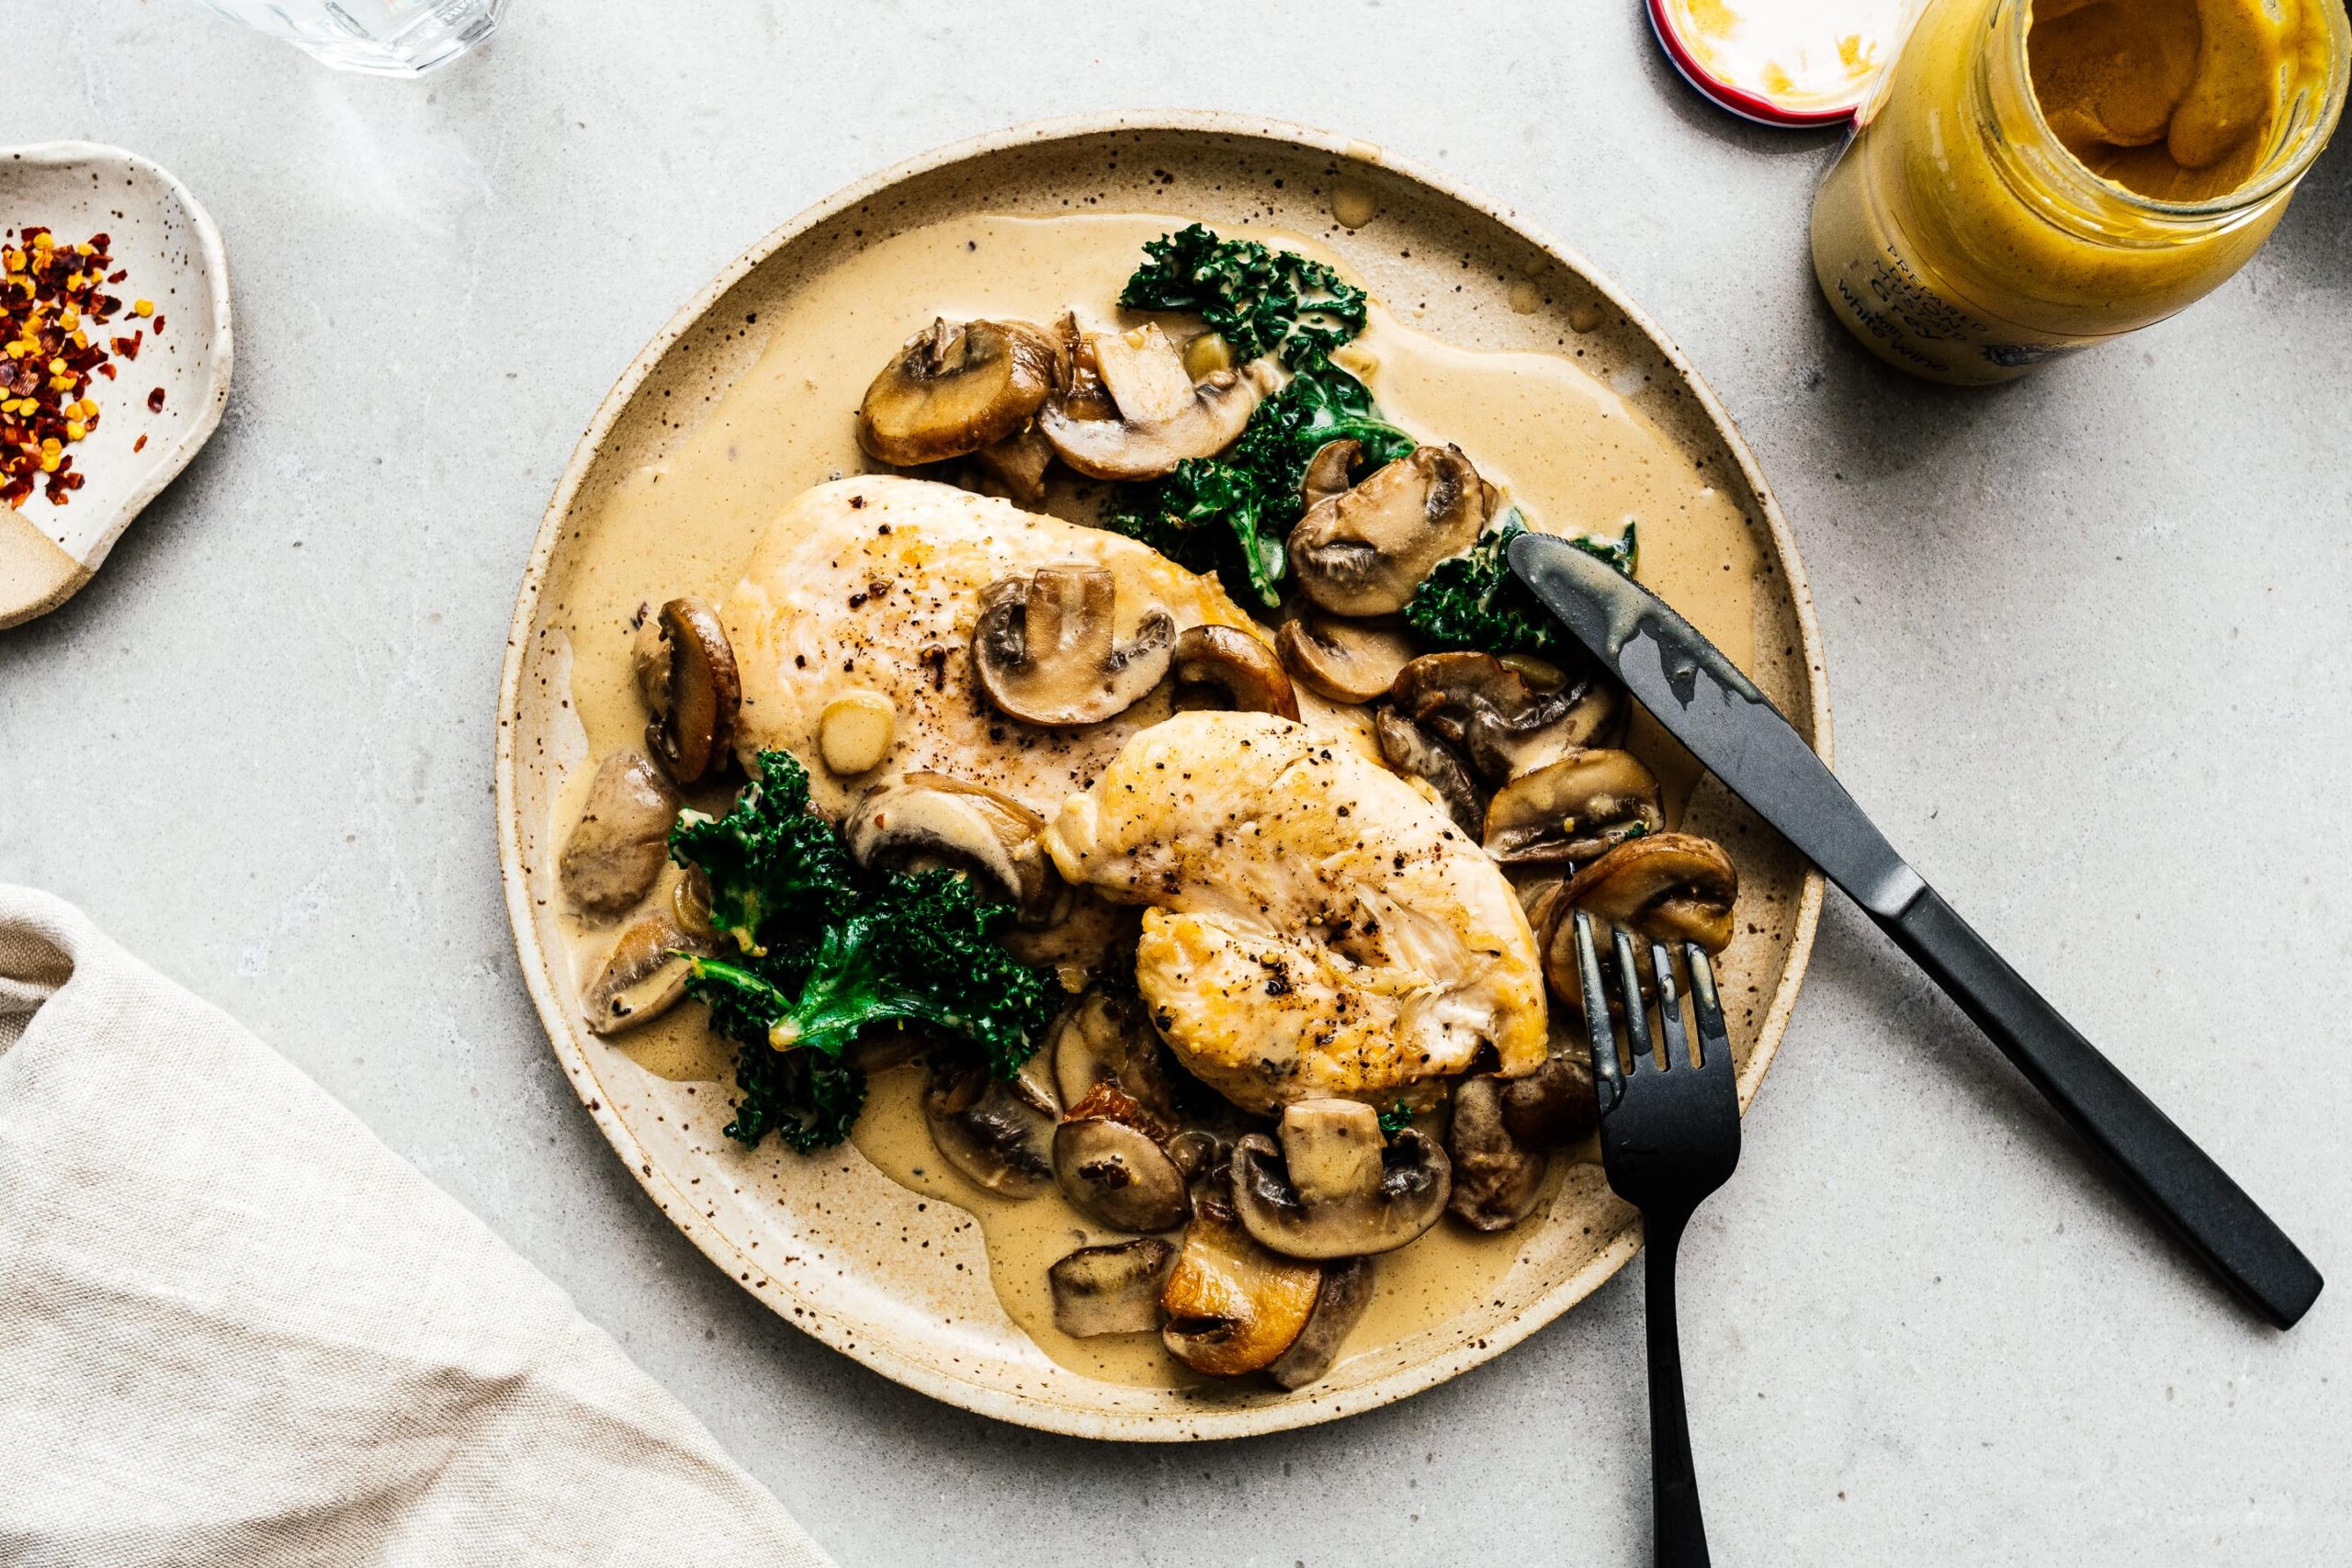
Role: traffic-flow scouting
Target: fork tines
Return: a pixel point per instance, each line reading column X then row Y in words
column 1706, row 1008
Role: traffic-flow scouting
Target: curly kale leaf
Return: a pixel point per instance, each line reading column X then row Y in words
column 830, row 950
column 1473, row 602
column 1233, row 514
column 1260, row 300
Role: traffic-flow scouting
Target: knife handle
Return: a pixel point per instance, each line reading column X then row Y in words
column 2170, row 1173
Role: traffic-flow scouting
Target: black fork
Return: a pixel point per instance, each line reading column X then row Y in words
column 1669, row 1135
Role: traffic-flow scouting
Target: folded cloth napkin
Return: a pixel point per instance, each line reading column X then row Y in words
column 236, row 1328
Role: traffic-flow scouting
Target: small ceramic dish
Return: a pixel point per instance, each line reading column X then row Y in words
column 167, row 247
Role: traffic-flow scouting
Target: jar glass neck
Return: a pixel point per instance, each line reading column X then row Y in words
column 2050, row 179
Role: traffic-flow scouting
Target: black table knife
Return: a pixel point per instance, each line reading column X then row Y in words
column 1691, row 689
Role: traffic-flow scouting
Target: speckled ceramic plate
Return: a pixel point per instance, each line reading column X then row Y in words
column 830, row 1243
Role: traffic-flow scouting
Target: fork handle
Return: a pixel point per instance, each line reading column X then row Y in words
column 2168, row 1171
column 1679, row 1534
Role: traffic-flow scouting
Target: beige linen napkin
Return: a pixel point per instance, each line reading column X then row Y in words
column 236, row 1328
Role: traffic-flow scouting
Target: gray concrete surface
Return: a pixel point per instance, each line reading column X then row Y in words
column 2088, row 646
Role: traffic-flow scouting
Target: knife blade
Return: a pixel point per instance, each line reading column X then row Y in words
column 1715, row 711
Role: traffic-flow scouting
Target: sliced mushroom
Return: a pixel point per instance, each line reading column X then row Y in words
column 1111, row 1290
column 1017, row 465
column 1328, row 472
column 1555, row 1105
column 1045, row 649
column 998, row 1133
column 1368, row 1197
column 1240, row 671
column 1339, row 1306
column 1502, row 721
column 685, row 671
column 1164, row 416
column 1413, row 750
column 928, row 819
column 854, row 732
column 1232, row 1306
column 643, row 975
column 1574, row 810
column 1346, row 661
column 1667, row 887
column 1102, row 1038
column 1363, row 552
column 1109, row 1159
column 1497, row 1180
column 955, row 388
column 622, row 837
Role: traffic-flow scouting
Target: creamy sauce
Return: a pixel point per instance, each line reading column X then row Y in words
column 1570, row 450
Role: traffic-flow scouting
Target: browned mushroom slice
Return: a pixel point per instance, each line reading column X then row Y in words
column 1497, row 1180
column 1339, row 1306
column 1164, row 416
column 926, row 820
column 1111, row 1290
column 1328, row 472
column 1108, row 1156
column 1413, row 750
column 1232, row 1306
column 1346, row 661
column 1573, row 810
column 685, row 671
column 1363, row 551
column 1505, row 723
column 1045, row 650
column 643, row 975
column 1234, row 668
column 1667, row 887
column 1104, row 1038
column 1017, row 466
column 955, row 388
column 623, row 838
column 1555, row 1105
column 1335, row 1189
column 998, row 1133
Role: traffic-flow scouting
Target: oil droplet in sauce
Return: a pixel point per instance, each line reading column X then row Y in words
column 1571, row 451
column 1526, row 298
column 1354, row 205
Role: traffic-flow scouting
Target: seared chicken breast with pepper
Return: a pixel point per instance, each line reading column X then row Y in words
column 1315, row 927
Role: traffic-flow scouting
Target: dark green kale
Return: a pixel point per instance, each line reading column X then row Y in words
column 1394, row 1120
column 828, row 950
column 1259, row 300
column 1233, row 514
column 1473, row 602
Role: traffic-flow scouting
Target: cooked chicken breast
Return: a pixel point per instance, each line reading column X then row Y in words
column 873, row 584
column 1315, row 926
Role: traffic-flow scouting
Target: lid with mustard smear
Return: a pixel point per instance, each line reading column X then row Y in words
column 1782, row 63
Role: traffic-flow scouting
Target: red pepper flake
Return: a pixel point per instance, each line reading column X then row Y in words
column 159, row 326
column 140, row 444
column 51, row 307
column 128, row 346
column 155, row 400
column 117, row 277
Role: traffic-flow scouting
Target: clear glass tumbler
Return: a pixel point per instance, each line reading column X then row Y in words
column 386, row 38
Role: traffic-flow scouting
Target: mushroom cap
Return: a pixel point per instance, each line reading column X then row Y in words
column 1109, row 1159
column 1103, row 1038
column 1573, row 810
column 1044, row 649
column 1328, row 472
column 687, row 673
column 1348, row 661
column 1555, row 1105
column 955, row 388
column 1232, row 1306
column 1111, row 1290
column 1363, row 551
column 1338, row 1307
column 997, row 1134
column 622, row 841
column 1505, row 723
column 1414, row 751
column 927, row 818
column 1497, row 1180
column 1241, row 668
column 1414, row 1181
column 642, row 976
column 1667, row 887
column 1164, row 416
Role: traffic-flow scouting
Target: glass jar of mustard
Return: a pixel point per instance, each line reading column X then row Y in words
column 2031, row 178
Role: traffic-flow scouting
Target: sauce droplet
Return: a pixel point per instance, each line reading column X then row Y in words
column 1584, row 318
column 1525, row 297
column 1354, row 205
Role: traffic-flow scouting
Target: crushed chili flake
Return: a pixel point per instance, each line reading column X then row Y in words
column 155, row 400
column 49, row 305
column 140, row 444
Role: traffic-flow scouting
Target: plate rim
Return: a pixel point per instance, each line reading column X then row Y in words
column 1206, row 1422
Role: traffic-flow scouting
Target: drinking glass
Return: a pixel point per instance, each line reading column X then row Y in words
column 386, row 38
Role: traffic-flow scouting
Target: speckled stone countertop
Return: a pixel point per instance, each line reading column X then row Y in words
column 2090, row 644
